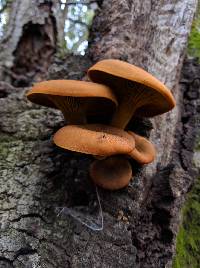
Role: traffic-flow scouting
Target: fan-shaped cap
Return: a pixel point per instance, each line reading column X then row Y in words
column 144, row 151
column 95, row 139
column 112, row 173
column 99, row 97
column 121, row 75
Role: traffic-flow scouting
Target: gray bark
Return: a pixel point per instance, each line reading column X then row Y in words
column 36, row 177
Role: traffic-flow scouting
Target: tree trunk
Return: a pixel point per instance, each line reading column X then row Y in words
column 36, row 177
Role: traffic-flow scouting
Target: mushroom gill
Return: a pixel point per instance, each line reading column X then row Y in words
column 76, row 99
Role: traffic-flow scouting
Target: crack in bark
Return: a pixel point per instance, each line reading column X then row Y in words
column 4, row 259
column 30, row 215
column 24, row 251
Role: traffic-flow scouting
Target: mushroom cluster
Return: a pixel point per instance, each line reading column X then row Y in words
column 118, row 91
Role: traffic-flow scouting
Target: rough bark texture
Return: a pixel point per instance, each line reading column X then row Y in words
column 36, row 177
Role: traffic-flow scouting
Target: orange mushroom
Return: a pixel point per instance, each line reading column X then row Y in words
column 115, row 172
column 144, row 151
column 112, row 173
column 138, row 92
column 76, row 99
column 95, row 139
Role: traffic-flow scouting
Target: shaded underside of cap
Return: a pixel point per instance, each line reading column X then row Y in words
column 95, row 139
column 112, row 173
column 68, row 88
column 118, row 75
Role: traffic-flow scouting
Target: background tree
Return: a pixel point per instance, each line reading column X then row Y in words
column 141, row 221
column 188, row 238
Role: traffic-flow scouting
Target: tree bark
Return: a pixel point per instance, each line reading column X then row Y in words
column 29, row 43
column 36, row 177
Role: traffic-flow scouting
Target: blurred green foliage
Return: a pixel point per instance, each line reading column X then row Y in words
column 79, row 18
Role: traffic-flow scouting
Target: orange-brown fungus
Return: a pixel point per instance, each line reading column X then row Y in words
column 138, row 92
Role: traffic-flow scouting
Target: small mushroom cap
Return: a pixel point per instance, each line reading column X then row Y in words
column 112, row 173
column 144, row 152
column 120, row 75
column 96, row 95
column 95, row 139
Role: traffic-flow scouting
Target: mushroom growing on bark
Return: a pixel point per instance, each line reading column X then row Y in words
column 137, row 91
column 95, row 139
column 115, row 172
column 76, row 99
column 112, row 173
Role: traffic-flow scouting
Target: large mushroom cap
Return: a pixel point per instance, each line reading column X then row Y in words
column 121, row 75
column 144, row 151
column 112, row 173
column 95, row 139
column 95, row 95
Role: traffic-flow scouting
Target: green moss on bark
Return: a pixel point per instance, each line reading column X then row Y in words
column 188, row 239
column 194, row 39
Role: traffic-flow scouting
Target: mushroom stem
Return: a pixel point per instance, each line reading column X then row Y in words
column 71, row 109
column 131, row 101
column 123, row 115
column 112, row 173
